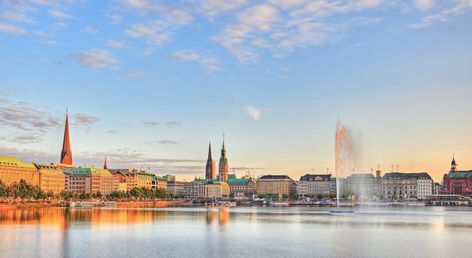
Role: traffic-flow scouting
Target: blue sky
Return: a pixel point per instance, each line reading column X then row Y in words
column 149, row 83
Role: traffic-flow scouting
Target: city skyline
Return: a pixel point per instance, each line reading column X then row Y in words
column 150, row 83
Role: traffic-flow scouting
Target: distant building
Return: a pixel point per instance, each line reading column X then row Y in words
column 51, row 178
column 12, row 170
column 159, row 183
column 191, row 188
column 363, row 186
column 213, row 190
column 396, row 185
column 169, row 178
column 210, row 169
column 275, row 185
column 457, row 181
column 243, row 187
column 90, row 180
column 315, row 184
column 176, row 188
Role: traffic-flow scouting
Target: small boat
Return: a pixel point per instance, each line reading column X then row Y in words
column 341, row 211
column 279, row 204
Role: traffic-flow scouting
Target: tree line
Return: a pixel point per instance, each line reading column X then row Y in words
column 23, row 190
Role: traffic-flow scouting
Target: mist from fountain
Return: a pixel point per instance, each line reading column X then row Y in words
column 347, row 155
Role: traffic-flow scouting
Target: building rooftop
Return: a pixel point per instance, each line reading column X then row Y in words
column 9, row 161
column 361, row 176
column 279, row 177
column 459, row 174
column 94, row 171
column 233, row 180
column 401, row 175
column 316, row 177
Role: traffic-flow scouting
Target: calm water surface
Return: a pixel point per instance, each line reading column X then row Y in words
column 238, row 232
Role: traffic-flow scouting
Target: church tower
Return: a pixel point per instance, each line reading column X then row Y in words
column 66, row 154
column 453, row 164
column 105, row 166
column 223, row 166
column 210, row 166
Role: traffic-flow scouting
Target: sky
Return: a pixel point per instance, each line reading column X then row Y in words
column 148, row 84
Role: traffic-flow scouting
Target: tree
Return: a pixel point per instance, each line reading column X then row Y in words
column 3, row 190
column 319, row 196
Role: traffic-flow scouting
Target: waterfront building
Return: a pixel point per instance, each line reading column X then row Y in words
column 143, row 179
column 51, row 178
column 124, row 176
column 396, row 185
column 315, row 184
column 66, row 153
column 243, row 187
column 457, row 181
column 12, row 170
column 169, row 178
column 191, row 188
column 363, row 186
column 159, row 183
column 213, row 190
column 90, row 180
column 275, row 185
column 210, row 169
column 176, row 188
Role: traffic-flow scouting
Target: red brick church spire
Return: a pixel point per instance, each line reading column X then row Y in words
column 66, row 154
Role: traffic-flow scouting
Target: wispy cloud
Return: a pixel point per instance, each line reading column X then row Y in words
column 134, row 75
column 27, row 117
column 167, row 142
column 453, row 8
column 16, row 17
column 58, row 14
column 150, row 123
column 90, row 30
column 209, row 63
column 81, row 119
column 254, row 112
column 154, row 33
column 12, row 30
column 96, row 59
column 173, row 123
column 116, row 43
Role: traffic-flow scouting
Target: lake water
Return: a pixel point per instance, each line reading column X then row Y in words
column 237, row 232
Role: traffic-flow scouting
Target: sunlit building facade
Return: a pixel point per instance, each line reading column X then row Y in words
column 90, row 180
column 396, row 185
column 315, row 184
column 275, row 185
column 51, row 178
column 12, row 170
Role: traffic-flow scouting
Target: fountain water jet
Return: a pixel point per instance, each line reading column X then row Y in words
column 346, row 156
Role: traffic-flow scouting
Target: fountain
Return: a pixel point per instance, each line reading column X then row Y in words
column 346, row 157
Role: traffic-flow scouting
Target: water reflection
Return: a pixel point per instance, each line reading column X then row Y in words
column 250, row 232
column 217, row 215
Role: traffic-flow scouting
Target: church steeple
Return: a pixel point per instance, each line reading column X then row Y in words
column 453, row 163
column 223, row 168
column 210, row 166
column 66, row 154
column 105, row 164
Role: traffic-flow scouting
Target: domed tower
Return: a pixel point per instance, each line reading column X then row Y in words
column 453, row 164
